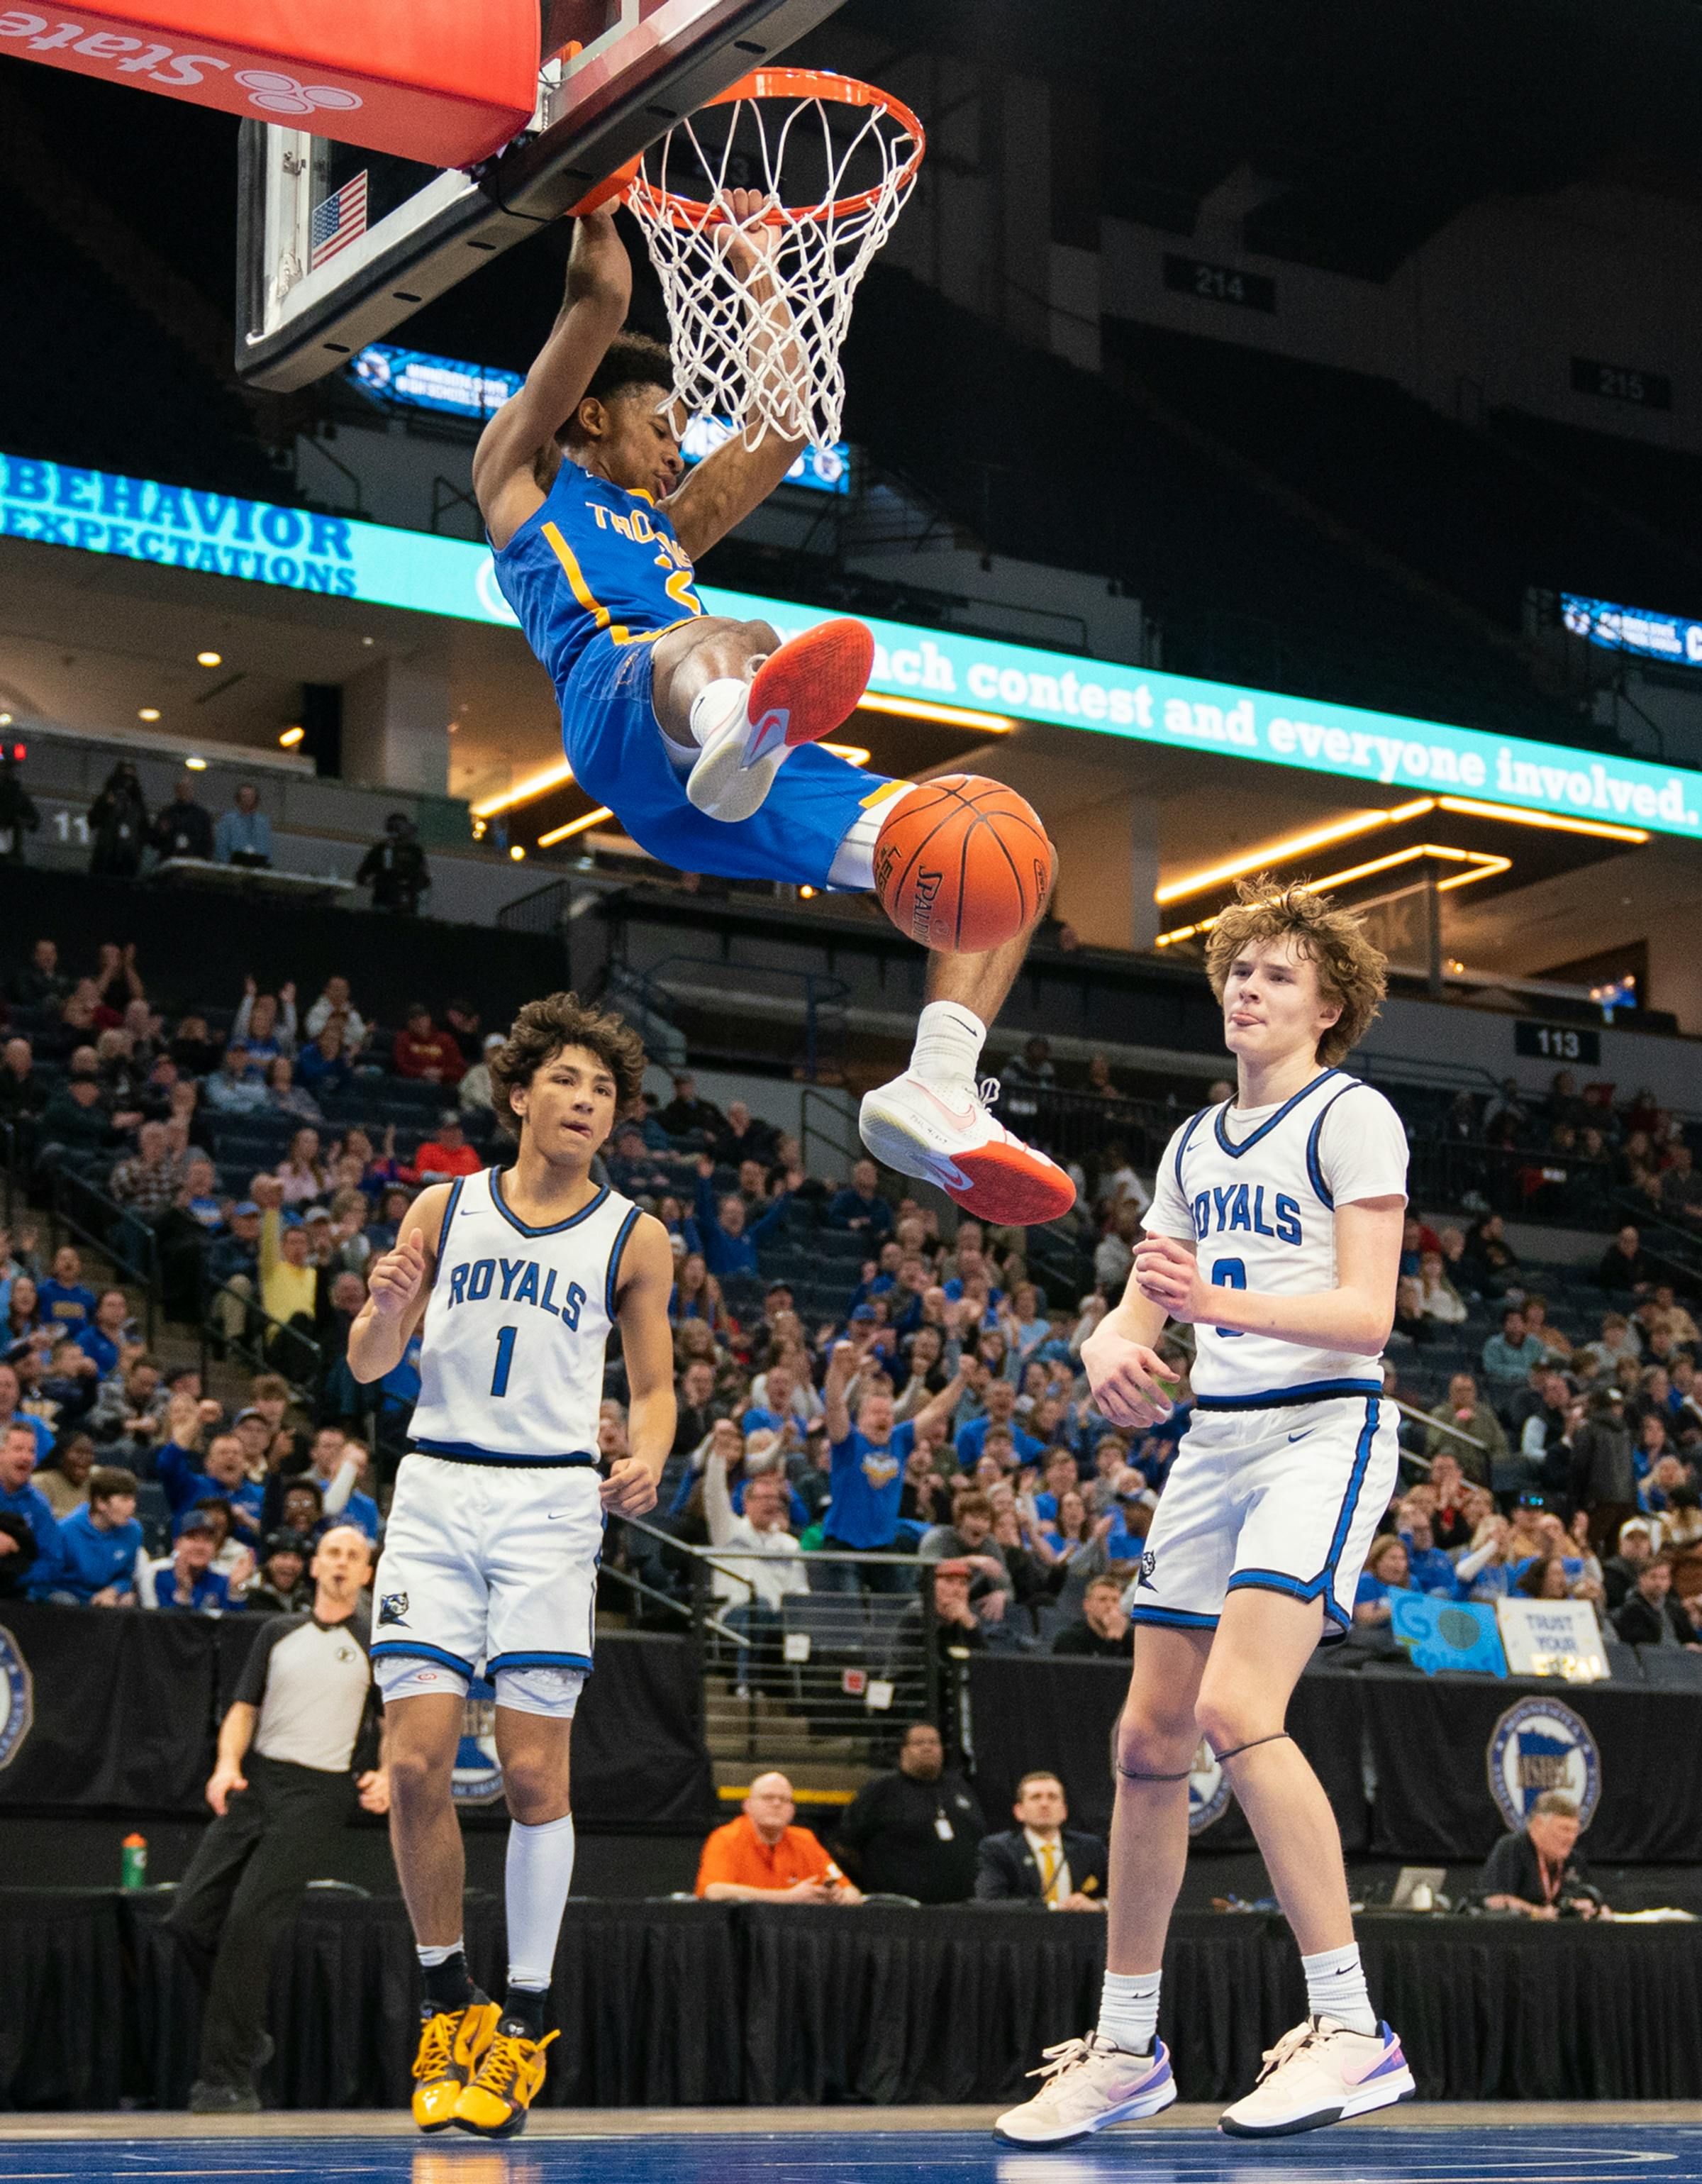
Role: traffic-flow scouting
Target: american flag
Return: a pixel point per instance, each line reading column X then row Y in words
column 339, row 221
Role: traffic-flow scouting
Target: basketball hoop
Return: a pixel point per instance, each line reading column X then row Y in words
column 835, row 160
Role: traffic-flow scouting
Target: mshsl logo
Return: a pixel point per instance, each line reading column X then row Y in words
column 478, row 1775
column 17, row 1698
column 1541, row 1744
column 1208, row 1790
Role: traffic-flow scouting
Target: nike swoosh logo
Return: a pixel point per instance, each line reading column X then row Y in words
column 553, row 1513
column 1301, row 1436
column 962, row 1120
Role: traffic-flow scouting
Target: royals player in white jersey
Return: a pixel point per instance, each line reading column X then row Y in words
column 1275, row 1231
column 520, row 1275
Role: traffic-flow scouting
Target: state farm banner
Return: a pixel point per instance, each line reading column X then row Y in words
column 438, row 80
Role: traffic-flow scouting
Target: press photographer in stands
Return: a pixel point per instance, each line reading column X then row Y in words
column 1538, row 1872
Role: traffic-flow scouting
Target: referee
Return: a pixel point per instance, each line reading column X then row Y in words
column 282, row 1790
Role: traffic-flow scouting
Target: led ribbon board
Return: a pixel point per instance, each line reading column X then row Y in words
column 414, row 379
column 97, row 512
column 1674, row 638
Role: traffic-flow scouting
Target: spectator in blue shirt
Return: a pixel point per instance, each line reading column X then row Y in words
column 1428, row 1570
column 11, row 1394
column 335, row 1463
column 860, row 1205
column 25, row 1501
column 244, row 835
column 868, row 1461
column 102, row 1337
column 64, row 1301
column 101, row 1542
column 727, row 1240
column 185, row 1578
column 1386, row 1574
column 234, row 1089
column 1508, row 1357
column 1000, row 1399
column 222, row 1472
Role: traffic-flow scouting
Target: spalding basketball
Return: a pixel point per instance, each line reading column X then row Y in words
column 963, row 864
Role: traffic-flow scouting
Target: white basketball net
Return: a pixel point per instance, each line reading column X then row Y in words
column 760, row 347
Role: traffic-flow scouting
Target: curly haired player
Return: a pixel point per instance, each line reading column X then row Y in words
column 517, row 1277
column 702, row 734
column 1275, row 1232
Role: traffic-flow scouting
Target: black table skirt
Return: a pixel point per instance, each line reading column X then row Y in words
column 680, row 2004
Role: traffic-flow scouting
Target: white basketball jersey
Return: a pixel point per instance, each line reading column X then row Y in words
column 512, row 1350
column 1256, row 1189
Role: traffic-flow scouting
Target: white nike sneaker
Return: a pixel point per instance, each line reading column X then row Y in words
column 1321, row 2073
column 1089, row 2085
column 801, row 693
column 948, row 1137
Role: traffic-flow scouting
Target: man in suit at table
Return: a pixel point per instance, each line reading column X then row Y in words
column 1042, row 1859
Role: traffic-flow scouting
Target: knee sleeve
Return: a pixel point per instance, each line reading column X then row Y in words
column 552, row 1692
column 411, row 1676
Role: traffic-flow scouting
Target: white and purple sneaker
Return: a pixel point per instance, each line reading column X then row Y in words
column 1321, row 2073
column 1089, row 2085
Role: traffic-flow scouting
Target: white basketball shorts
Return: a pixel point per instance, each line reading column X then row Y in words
column 489, row 1567
column 1285, row 1499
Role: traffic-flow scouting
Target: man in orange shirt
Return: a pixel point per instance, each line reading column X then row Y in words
column 762, row 1858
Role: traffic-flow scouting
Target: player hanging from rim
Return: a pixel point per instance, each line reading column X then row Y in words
column 519, row 1276
column 701, row 733
column 1275, row 1232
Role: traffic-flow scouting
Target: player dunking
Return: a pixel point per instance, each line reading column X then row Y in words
column 701, row 733
column 1275, row 1230
column 520, row 1276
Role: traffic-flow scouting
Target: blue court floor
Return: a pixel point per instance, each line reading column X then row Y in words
column 1667, row 2151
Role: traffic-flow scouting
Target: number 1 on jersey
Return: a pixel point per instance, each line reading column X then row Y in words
column 505, row 1357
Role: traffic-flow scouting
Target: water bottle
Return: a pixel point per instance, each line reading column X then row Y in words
column 133, row 1862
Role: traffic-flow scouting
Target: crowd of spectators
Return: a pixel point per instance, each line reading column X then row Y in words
column 853, row 1379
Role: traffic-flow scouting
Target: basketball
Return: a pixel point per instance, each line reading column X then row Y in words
column 963, row 864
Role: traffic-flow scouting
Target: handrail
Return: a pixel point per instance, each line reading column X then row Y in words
column 253, row 1307
column 822, row 990
column 145, row 1276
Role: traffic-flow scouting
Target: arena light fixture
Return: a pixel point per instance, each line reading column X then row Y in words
column 518, row 854
column 195, row 765
column 291, row 737
column 1604, row 829
column 579, row 826
column 925, row 709
column 147, row 712
column 535, row 784
column 1475, row 865
column 5, row 720
column 209, row 659
column 1292, row 845
column 853, row 753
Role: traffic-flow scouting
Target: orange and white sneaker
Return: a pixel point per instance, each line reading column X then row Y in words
column 453, row 2043
column 1321, row 2073
column 800, row 693
column 947, row 1137
column 495, row 2101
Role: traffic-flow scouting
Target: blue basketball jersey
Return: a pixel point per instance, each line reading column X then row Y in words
column 593, row 558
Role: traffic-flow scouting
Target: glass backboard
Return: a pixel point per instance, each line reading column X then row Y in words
column 337, row 246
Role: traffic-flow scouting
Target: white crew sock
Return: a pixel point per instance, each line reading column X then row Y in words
column 948, row 1042
column 714, row 706
column 1335, row 1988
column 1129, row 2011
column 430, row 1956
column 537, row 1875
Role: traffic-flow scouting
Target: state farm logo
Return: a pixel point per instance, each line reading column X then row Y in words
column 268, row 90
column 274, row 93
